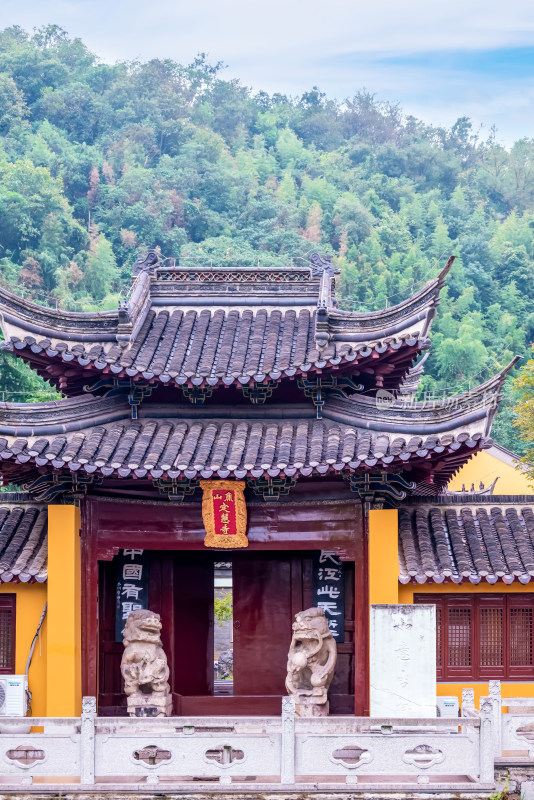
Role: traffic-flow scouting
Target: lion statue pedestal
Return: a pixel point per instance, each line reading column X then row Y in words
column 310, row 663
column 144, row 666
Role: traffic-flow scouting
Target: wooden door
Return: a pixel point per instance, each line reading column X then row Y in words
column 111, row 697
column 181, row 592
column 193, row 623
column 269, row 589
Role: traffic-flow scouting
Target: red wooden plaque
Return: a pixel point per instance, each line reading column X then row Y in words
column 224, row 512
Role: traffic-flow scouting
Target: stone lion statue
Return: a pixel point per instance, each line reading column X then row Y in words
column 144, row 666
column 310, row 663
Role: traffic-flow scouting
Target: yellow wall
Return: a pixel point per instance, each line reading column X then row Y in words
column 64, row 695
column 29, row 606
column 485, row 467
column 383, row 556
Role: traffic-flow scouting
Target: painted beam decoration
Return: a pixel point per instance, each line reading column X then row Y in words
column 224, row 512
column 329, row 590
column 131, row 588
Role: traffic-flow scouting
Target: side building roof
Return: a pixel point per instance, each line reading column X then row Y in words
column 204, row 327
column 23, row 539
column 475, row 539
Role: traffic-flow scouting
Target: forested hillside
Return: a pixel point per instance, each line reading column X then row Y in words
column 98, row 162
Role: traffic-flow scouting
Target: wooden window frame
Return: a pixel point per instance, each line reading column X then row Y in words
column 8, row 602
column 475, row 603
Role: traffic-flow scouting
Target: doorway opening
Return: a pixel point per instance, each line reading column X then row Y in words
column 223, row 629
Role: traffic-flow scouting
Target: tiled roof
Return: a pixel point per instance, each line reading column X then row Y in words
column 94, row 434
column 476, row 543
column 217, row 327
column 220, row 348
column 23, row 542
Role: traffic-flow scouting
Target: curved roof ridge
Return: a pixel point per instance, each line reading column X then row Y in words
column 428, row 293
column 457, row 411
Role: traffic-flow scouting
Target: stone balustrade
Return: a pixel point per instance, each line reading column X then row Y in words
column 250, row 753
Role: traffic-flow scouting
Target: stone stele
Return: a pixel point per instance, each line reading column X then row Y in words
column 310, row 663
column 144, row 666
column 403, row 661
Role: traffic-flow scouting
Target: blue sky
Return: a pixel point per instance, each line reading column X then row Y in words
column 438, row 60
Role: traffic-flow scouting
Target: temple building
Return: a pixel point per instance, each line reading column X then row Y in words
column 237, row 419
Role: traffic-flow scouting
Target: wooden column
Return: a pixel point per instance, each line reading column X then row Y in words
column 361, row 620
column 63, row 689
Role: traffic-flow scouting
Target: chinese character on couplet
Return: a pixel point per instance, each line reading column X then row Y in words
column 229, row 496
column 131, row 590
column 329, row 608
column 225, row 528
column 329, row 574
column 132, row 571
column 217, row 497
column 328, row 555
column 127, row 609
column 225, row 517
column 224, row 507
column 331, row 591
column 132, row 553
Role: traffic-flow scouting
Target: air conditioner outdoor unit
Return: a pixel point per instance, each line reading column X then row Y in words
column 13, row 695
column 448, row 706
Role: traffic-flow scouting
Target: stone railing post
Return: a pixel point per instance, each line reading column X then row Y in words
column 87, row 741
column 468, row 703
column 287, row 766
column 496, row 702
column 487, row 756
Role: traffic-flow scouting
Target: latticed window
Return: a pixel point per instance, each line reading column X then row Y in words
column 459, row 637
column 491, row 637
column 521, row 637
column 483, row 636
column 7, row 634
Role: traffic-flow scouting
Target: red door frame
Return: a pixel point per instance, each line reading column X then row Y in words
column 108, row 526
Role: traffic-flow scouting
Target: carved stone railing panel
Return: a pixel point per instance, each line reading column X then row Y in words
column 275, row 751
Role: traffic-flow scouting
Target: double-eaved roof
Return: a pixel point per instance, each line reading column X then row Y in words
column 203, row 330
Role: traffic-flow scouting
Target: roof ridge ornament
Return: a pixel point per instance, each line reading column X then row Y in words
column 320, row 264
column 146, row 264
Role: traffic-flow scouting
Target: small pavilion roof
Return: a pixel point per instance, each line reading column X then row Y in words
column 23, row 540
column 96, row 435
column 205, row 327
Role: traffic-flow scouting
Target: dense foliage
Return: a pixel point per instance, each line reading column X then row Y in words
column 524, row 413
column 99, row 161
